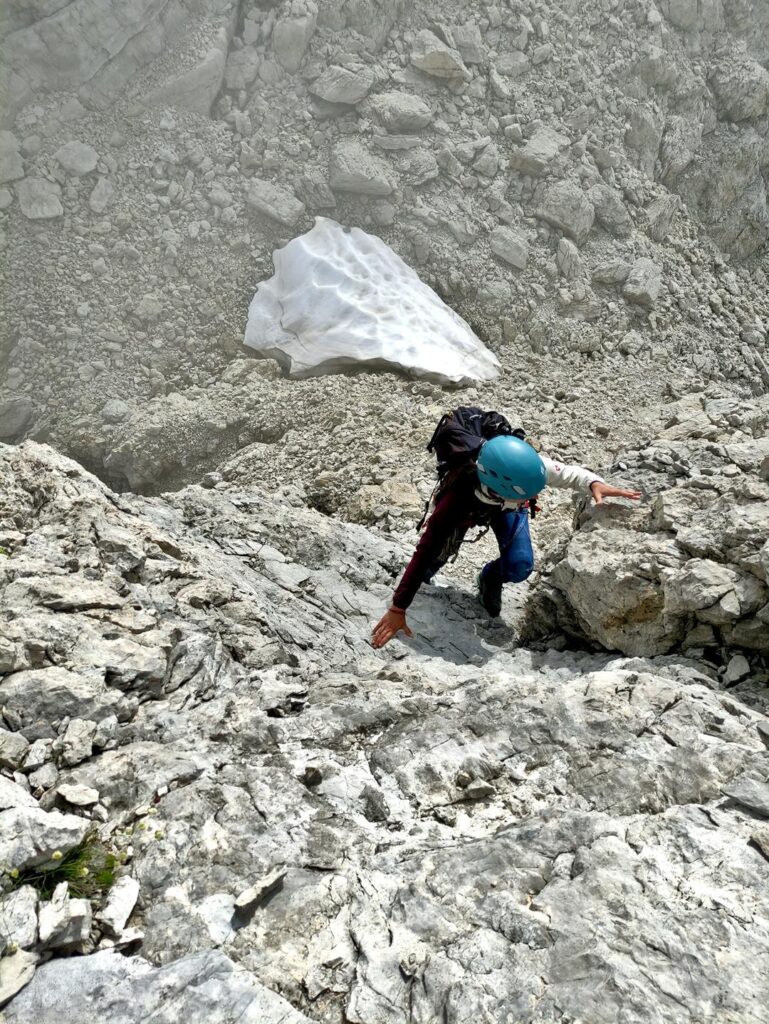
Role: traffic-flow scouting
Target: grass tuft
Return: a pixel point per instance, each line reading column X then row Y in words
column 89, row 868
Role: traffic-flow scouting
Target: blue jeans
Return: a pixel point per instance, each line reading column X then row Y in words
column 516, row 557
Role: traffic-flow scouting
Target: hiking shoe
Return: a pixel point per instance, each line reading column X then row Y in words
column 490, row 595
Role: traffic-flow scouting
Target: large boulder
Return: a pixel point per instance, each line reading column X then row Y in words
column 741, row 88
column 565, row 206
column 689, row 567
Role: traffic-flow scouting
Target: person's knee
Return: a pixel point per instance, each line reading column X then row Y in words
column 517, row 572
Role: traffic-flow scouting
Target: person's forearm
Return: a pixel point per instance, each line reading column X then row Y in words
column 427, row 551
column 409, row 584
column 560, row 474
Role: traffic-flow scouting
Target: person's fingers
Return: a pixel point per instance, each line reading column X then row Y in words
column 406, row 630
column 597, row 497
column 381, row 640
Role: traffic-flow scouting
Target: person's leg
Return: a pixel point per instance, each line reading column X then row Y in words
column 516, row 556
column 515, row 562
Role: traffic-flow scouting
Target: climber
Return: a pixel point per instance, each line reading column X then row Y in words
column 494, row 491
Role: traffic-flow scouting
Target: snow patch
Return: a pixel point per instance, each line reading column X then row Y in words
column 341, row 298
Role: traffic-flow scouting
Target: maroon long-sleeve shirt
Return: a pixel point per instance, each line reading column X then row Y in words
column 456, row 510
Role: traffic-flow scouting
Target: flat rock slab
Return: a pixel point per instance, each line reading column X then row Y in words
column 751, row 793
column 206, row 988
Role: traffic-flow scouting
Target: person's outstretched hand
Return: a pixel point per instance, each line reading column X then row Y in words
column 392, row 622
column 601, row 491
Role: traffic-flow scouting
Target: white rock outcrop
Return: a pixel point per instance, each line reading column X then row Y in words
column 341, row 298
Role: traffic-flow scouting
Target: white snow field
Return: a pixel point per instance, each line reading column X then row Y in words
column 341, row 297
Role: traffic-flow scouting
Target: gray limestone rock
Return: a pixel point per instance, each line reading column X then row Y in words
column 644, row 135
column 63, row 48
column 65, row 923
column 437, row 59
column 569, row 261
column 16, row 971
column 725, row 187
column 11, row 162
column 206, row 988
column 468, row 39
column 274, row 201
column 241, row 68
column 510, row 245
column 29, row 836
column 542, row 148
column 565, row 206
column 77, row 742
column 39, row 198
column 115, row 410
column 660, row 214
column 741, row 88
column 340, row 85
column 121, row 901
column 400, row 111
column 293, row 32
column 352, row 168
column 681, row 576
column 512, row 64
column 195, row 88
column 453, row 795
column 610, row 211
column 18, row 918
column 13, row 749
column 77, row 158
column 16, row 415
column 78, row 796
column 101, row 196
column 678, row 147
column 644, row 283
column 250, row 897
column 750, row 792
column 611, row 272
column 49, row 694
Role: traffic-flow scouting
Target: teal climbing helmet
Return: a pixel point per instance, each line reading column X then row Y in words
column 511, row 468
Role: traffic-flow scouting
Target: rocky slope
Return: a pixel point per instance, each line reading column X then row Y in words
column 217, row 801
column 457, row 829
column 586, row 186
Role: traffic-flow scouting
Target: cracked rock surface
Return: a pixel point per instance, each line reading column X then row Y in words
column 561, row 815
column 455, row 829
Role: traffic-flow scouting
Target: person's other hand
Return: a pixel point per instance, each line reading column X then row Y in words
column 601, row 490
column 391, row 623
